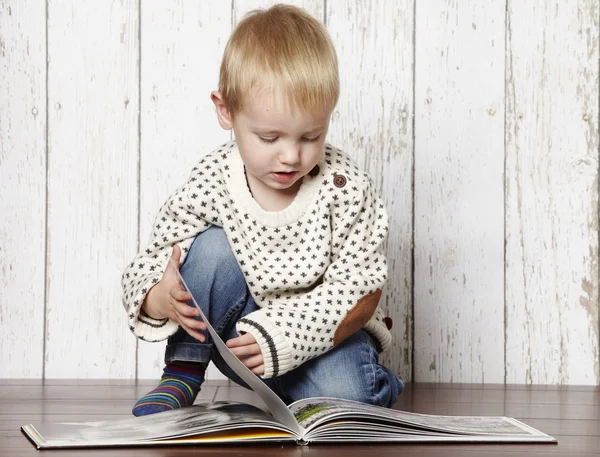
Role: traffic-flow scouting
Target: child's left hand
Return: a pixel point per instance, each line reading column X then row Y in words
column 247, row 350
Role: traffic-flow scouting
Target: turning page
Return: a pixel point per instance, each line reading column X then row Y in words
column 277, row 407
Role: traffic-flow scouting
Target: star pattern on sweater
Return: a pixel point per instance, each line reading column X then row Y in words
column 305, row 274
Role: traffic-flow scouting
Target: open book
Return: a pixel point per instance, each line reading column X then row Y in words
column 305, row 421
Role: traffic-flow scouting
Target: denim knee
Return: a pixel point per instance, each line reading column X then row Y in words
column 365, row 380
column 210, row 248
column 217, row 284
column 210, row 262
column 350, row 371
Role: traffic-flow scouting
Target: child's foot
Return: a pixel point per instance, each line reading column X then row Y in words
column 178, row 387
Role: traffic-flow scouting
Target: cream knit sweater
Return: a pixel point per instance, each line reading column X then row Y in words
column 315, row 269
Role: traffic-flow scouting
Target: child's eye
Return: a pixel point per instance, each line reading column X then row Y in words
column 268, row 140
column 311, row 140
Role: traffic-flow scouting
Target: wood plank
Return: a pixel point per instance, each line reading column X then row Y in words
column 66, row 408
column 92, row 190
column 124, row 391
column 182, row 45
column 459, row 202
column 91, row 382
column 91, row 393
column 101, row 401
column 75, row 393
column 563, row 427
column 509, row 387
column 90, row 407
column 241, row 7
column 502, row 396
column 373, row 123
column 22, row 187
column 552, row 193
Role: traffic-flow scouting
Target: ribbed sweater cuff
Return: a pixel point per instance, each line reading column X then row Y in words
column 145, row 327
column 379, row 331
column 275, row 349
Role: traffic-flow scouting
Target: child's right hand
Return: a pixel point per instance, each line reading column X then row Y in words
column 168, row 299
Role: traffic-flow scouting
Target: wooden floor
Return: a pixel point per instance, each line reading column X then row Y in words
column 570, row 414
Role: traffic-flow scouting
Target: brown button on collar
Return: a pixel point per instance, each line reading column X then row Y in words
column 339, row 180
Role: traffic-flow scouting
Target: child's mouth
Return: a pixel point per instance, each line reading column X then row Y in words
column 283, row 177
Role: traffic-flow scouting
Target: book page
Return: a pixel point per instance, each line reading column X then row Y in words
column 277, row 407
column 193, row 420
column 219, row 422
column 312, row 412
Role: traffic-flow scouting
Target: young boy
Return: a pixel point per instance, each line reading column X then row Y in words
column 280, row 236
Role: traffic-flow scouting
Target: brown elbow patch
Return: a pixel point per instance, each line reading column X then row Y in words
column 357, row 317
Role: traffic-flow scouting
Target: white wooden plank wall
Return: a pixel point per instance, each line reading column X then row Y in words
column 459, row 196
column 478, row 121
column 552, row 193
column 92, row 195
column 22, row 187
column 373, row 123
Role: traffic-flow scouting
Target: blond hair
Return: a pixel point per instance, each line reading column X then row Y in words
column 283, row 48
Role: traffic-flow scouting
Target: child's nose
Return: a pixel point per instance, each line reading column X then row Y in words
column 290, row 154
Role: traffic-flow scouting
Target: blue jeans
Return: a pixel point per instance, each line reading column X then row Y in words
column 349, row 370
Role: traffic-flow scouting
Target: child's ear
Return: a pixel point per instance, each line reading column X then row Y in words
column 223, row 114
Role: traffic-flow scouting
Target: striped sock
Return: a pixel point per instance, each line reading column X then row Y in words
column 178, row 387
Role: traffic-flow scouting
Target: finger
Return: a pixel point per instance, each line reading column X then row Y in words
column 175, row 256
column 180, row 294
column 254, row 362
column 184, row 309
column 243, row 340
column 260, row 370
column 244, row 351
column 173, row 264
column 191, row 326
column 194, row 333
column 190, row 322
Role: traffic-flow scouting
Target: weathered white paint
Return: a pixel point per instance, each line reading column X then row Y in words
column 461, row 209
column 22, row 187
column 552, row 193
column 373, row 123
column 459, row 197
column 182, row 45
column 241, row 7
column 92, row 188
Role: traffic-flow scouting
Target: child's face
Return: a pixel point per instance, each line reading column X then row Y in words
column 279, row 144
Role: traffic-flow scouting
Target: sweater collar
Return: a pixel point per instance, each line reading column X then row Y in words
column 243, row 200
